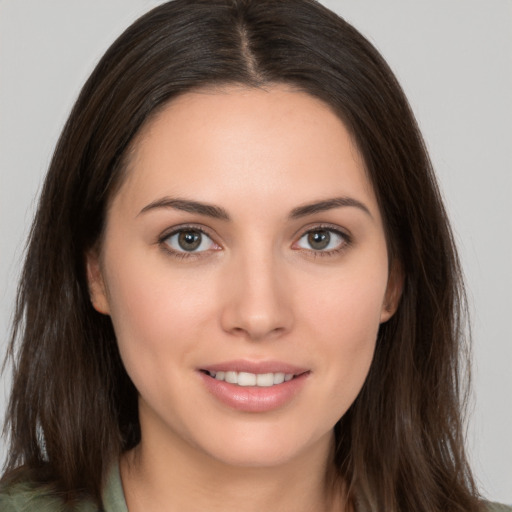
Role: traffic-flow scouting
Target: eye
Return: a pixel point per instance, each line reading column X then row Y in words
column 189, row 240
column 322, row 240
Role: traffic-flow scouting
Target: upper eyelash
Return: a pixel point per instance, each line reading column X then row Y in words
column 176, row 229
column 326, row 227
column 333, row 229
column 311, row 253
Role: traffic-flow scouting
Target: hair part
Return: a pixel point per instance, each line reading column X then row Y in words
column 73, row 409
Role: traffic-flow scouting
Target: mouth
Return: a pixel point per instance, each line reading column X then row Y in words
column 254, row 386
column 245, row 379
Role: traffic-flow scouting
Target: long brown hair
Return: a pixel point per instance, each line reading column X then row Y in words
column 73, row 409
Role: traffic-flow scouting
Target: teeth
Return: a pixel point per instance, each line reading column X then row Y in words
column 246, row 379
column 231, row 377
column 252, row 379
column 279, row 378
column 265, row 379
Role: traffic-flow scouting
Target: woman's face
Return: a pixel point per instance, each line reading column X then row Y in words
column 245, row 270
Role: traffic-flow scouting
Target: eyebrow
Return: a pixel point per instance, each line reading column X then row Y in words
column 209, row 210
column 217, row 212
column 327, row 204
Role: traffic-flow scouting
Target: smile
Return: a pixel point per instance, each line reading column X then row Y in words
column 263, row 380
column 254, row 386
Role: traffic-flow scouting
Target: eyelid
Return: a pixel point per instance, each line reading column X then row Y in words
column 186, row 227
column 343, row 233
column 183, row 227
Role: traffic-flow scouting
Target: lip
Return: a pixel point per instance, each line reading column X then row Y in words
column 241, row 365
column 253, row 398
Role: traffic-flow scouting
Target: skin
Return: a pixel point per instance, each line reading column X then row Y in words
column 256, row 290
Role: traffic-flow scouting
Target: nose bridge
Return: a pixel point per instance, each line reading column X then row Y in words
column 259, row 304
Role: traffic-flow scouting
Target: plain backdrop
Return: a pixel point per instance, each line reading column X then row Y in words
column 454, row 60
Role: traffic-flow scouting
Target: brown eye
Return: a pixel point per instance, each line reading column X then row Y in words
column 322, row 240
column 319, row 240
column 189, row 240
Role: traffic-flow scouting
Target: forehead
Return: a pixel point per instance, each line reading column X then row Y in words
column 267, row 144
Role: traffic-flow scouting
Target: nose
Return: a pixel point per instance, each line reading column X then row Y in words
column 258, row 301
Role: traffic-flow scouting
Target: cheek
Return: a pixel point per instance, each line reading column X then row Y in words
column 346, row 308
column 344, row 320
column 156, row 313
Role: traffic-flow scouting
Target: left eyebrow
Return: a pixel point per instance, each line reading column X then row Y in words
column 185, row 205
column 328, row 204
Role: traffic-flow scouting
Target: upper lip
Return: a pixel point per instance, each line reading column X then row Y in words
column 248, row 366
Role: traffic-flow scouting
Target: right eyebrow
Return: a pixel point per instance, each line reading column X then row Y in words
column 328, row 204
column 209, row 210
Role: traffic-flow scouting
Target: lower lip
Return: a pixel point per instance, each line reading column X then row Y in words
column 254, row 398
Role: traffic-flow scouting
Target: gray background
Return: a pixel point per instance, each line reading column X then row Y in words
column 454, row 60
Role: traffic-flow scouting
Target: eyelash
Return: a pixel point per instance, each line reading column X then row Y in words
column 182, row 255
column 345, row 243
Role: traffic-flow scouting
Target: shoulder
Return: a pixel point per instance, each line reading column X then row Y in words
column 23, row 497
column 497, row 507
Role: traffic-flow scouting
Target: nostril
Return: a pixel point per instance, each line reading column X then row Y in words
column 257, row 333
column 256, row 316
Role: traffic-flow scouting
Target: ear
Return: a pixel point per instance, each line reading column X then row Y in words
column 393, row 292
column 96, row 283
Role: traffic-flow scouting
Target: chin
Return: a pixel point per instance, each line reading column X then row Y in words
column 260, row 449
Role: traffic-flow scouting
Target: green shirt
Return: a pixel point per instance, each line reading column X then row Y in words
column 23, row 498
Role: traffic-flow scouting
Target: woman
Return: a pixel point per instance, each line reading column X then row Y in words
column 241, row 288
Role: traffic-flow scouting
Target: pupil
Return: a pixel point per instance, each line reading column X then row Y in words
column 319, row 239
column 189, row 240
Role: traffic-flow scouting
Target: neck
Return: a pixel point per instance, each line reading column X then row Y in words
column 163, row 477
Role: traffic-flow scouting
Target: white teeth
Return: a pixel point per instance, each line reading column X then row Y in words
column 246, row 379
column 278, row 378
column 231, row 377
column 265, row 379
column 252, row 379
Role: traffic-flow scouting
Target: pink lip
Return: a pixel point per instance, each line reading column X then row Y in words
column 241, row 365
column 253, row 398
